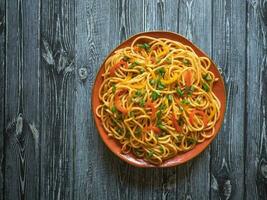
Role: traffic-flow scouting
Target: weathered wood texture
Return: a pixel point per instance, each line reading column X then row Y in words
column 2, row 91
column 21, row 100
column 57, row 130
column 229, row 52
column 256, row 101
column 50, row 52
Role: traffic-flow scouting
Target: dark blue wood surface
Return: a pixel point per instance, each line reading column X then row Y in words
column 50, row 52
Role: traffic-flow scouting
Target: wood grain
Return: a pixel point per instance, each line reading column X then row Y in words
column 256, row 98
column 91, row 169
column 2, row 92
column 227, row 158
column 58, row 99
column 22, row 92
column 50, row 52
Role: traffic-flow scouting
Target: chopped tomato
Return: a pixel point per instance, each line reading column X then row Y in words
column 152, row 59
column 116, row 66
column 175, row 123
column 118, row 102
column 176, row 99
column 155, row 48
column 188, row 77
column 136, row 48
column 198, row 112
column 153, row 128
column 151, row 105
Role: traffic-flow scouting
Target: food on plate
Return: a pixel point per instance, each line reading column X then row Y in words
column 157, row 99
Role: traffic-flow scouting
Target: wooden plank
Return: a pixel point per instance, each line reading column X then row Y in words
column 2, row 90
column 22, row 92
column 195, row 23
column 92, row 31
column 229, row 48
column 256, row 98
column 58, row 99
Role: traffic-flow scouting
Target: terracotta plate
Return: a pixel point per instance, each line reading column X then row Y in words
column 114, row 146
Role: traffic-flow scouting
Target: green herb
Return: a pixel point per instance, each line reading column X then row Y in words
column 185, row 101
column 160, row 125
column 142, row 103
column 145, row 46
column 137, row 152
column 179, row 92
column 126, row 58
column 152, row 82
column 159, row 113
column 138, row 93
column 207, row 77
column 135, row 63
column 169, row 97
column 191, row 141
column 155, row 95
column 150, row 154
column 162, row 106
column 119, row 130
column 198, row 101
column 161, row 149
column 142, row 71
column 168, row 60
column 113, row 109
column 161, row 71
column 138, row 132
column 205, row 87
column 113, row 88
column 161, row 86
column 189, row 90
column 186, row 62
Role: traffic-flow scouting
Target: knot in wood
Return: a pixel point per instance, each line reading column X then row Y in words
column 83, row 73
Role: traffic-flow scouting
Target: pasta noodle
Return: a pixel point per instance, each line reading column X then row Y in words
column 157, row 99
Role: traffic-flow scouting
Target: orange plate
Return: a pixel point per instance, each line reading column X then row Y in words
column 115, row 147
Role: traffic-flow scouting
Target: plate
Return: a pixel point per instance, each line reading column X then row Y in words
column 115, row 147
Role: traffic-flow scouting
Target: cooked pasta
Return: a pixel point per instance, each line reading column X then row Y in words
column 157, row 99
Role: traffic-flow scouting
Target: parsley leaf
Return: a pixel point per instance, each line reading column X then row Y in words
column 113, row 88
column 179, row 92
column 155, row 95
column 113, row 109
column 206, row 87
column 135, row 63
column 142, row 103
column 161, row 71
column 169, row 97
column 161, row 86
column 145, row 46
column 185, row 101
column 150, row 154
column 207, row 77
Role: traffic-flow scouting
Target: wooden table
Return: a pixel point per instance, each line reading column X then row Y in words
column 50, row 51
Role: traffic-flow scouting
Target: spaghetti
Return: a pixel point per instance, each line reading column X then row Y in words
column 157, row 99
